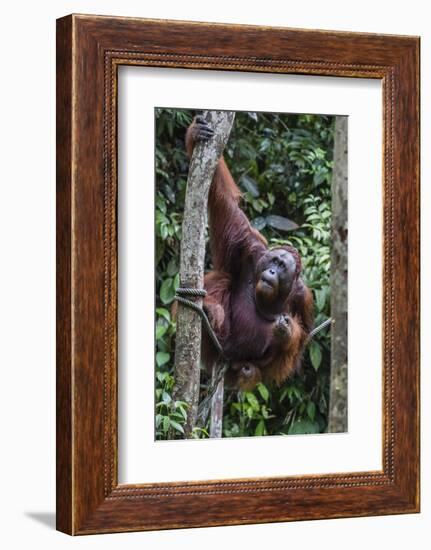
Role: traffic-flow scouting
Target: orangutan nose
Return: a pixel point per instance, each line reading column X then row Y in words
column 269, row 276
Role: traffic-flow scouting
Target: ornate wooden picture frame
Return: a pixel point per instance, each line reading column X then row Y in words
column 89, row 51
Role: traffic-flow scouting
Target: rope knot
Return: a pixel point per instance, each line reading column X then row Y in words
column 194, row 292
column 180, row 294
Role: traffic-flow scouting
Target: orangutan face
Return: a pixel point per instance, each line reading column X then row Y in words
column 276, row 273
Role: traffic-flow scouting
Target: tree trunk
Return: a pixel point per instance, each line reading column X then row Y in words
column 216, row 426
column 337, row 421
column 188, row 338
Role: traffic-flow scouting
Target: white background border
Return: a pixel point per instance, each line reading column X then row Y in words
column 141, row 459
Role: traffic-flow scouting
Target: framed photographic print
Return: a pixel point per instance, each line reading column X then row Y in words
column 237, row 274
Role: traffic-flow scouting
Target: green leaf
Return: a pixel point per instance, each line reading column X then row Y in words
column 167, row 293
column 257, row 205
column 315, row 355
column 271, row 198
column 166, row 398
column 161, row 376
column 164, row 231
column 176, row 426
column 260, row 428
column 169, row 194
column 166, row 423
column 161, row 205
column 320, row 298
column 172, row 268
column 303, row 427
column 160, row 331
column 176, row 282
column 281, row 223
column 258, row 223
column 311, row 410
column 251, row 398
column 297, row 393
column 180, row 404
column 283, row 394
column 162, row 357
column 319, row 177
column 183, row 412
column 263, row 392
column 250, row 185
column 164, row 313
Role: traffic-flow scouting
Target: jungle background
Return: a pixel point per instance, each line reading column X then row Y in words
column 283, row 165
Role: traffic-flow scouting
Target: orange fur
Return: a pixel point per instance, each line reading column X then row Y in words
column 257, row 349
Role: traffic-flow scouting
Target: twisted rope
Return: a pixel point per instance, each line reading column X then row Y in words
column 198, row 292
column 185, row 291
column 181, row 292
column 320, row 327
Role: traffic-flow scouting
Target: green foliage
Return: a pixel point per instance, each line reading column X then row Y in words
column 283, row 165
column 170, row 415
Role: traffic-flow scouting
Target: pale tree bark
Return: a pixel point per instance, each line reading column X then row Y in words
column 216, row 426
column 337, row 421
column 188, row 338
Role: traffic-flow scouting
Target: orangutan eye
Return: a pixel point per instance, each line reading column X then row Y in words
column 279, row 263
